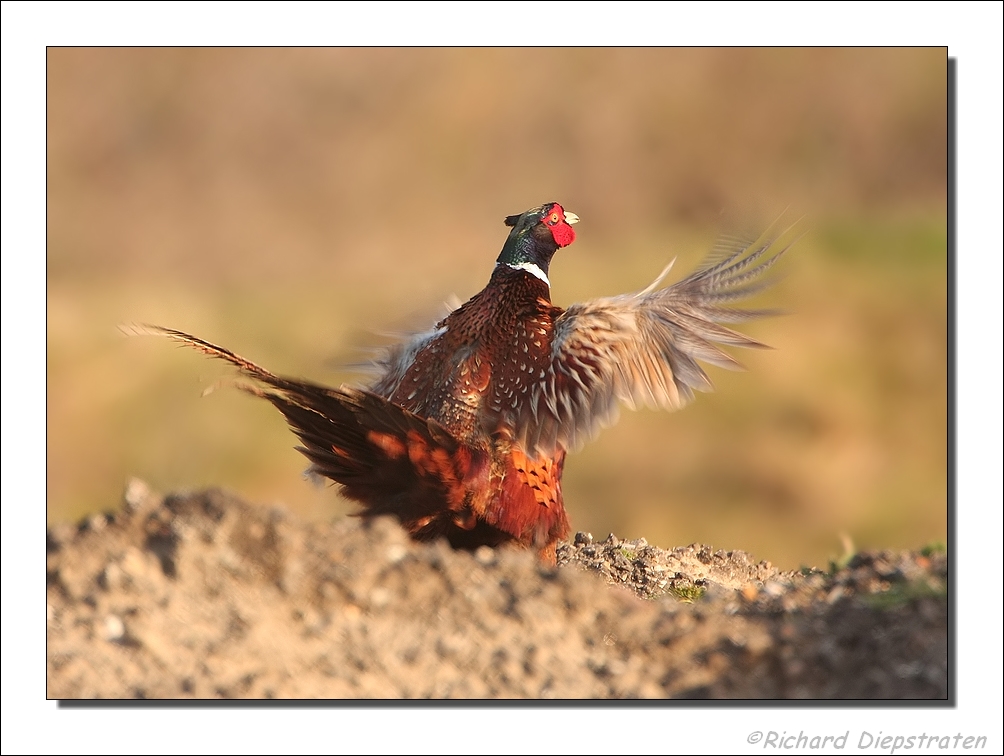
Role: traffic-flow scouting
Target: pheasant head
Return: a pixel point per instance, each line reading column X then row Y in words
column 536, row 235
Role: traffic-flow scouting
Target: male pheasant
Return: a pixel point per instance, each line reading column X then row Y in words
column 464, row 433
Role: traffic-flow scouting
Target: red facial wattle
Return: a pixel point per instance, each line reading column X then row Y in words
column 561, row 230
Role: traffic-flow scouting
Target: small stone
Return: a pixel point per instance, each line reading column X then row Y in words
column 136, row 495
column 112, row 629
column 650, row 689
column 795, row 667
column 396, row 552
column 112, row 577
column 750, row 592
column 379, row 598
column 61, row 534
column 616, row 667
column 485, row 555
column 774, row 588
column 583, row 539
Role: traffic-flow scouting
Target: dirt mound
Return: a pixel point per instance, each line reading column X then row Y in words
column 201, row 595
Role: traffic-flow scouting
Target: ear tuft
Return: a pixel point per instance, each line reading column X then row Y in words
column 512, row 220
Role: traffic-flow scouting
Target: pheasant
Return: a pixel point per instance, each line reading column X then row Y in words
column 463, row 434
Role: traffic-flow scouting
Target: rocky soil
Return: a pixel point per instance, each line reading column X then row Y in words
column 202, row 595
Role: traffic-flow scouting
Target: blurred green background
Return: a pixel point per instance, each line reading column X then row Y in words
column 293, row 205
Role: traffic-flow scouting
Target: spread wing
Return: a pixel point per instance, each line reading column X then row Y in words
column 644, row 348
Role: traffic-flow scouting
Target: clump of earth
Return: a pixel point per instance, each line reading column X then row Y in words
column 202, row 595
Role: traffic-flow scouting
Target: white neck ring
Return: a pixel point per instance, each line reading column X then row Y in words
column 530, row 268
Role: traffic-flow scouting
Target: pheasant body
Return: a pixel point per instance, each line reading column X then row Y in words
column 464, row 433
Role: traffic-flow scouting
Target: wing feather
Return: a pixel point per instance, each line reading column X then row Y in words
column 644, row 348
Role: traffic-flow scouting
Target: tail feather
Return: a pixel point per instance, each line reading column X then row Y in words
column 388, row 459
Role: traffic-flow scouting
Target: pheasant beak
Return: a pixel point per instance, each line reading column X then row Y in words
column 571, row 218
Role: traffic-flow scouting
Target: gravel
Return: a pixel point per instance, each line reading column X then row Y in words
column 202, row 595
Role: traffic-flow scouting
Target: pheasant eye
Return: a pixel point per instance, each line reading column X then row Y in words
column 553, row 218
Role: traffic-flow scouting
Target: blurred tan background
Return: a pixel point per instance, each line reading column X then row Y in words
column 293, row 204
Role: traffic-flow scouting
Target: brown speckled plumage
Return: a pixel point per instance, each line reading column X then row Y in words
column 463, row 435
